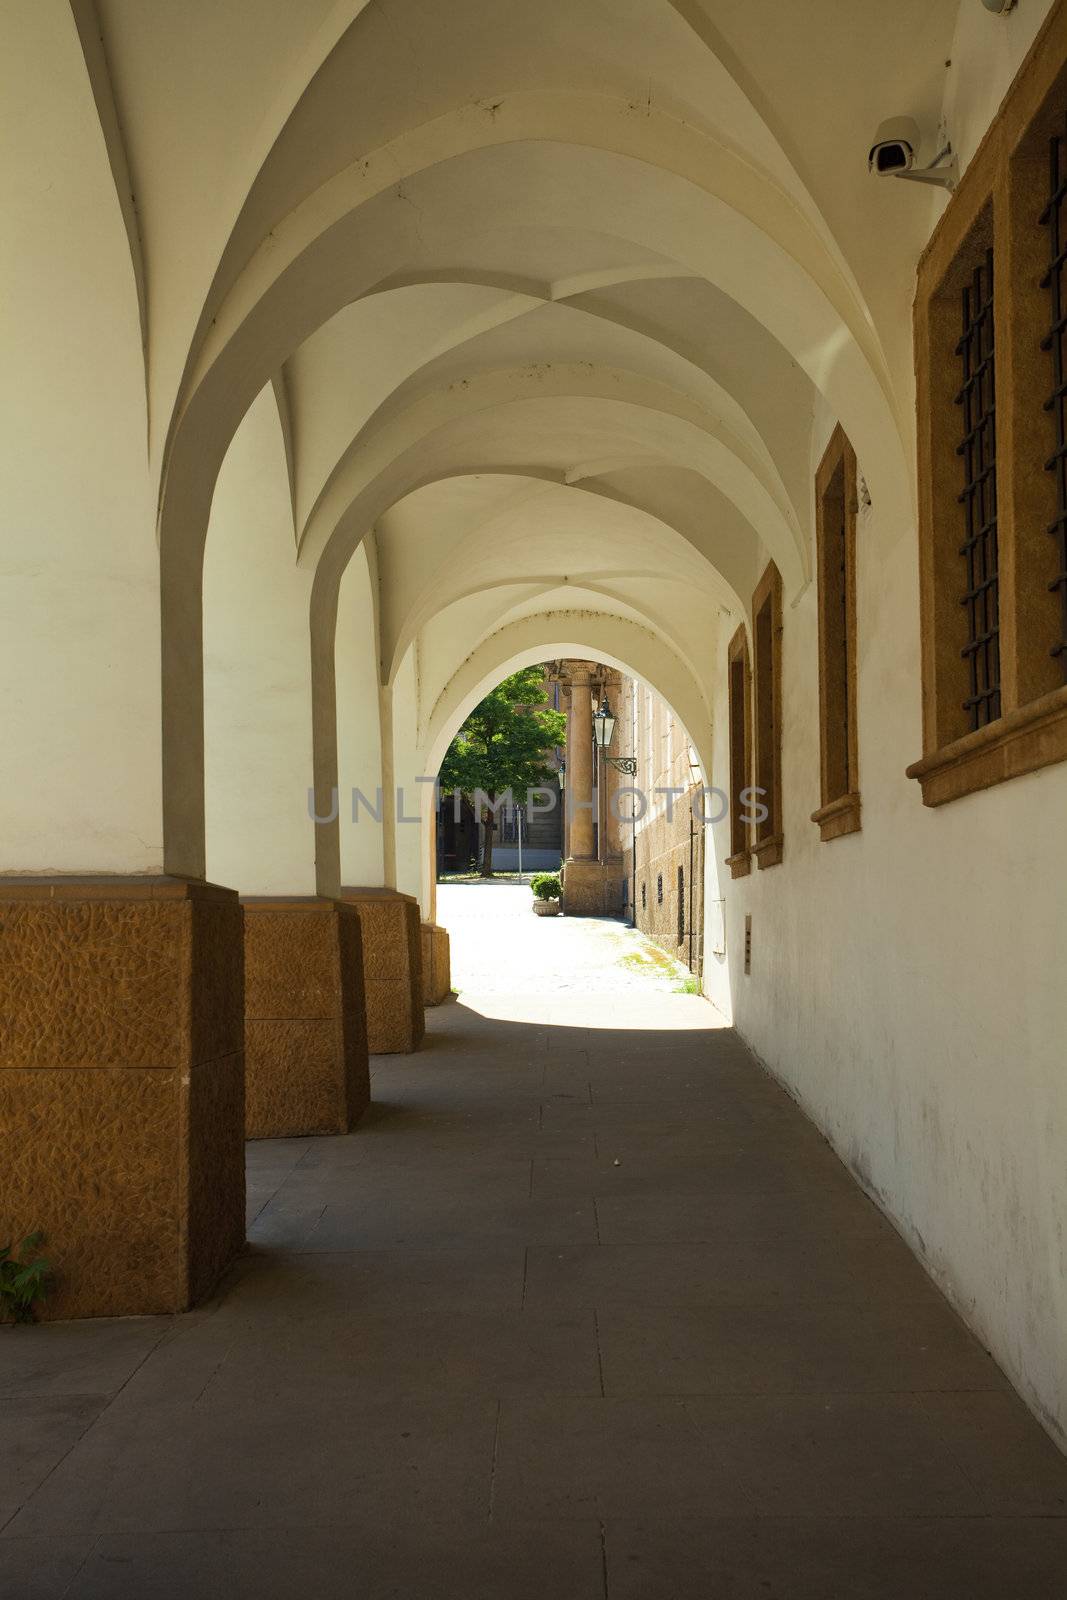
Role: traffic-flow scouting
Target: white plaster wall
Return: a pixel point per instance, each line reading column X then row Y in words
column 408, row 767
column 359, row 740
column 906, row 986
column 905, row 982
column 79, row 577
column 257, row 672
column 987, row 51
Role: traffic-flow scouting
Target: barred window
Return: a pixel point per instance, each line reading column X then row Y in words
column 659, row 888
column 835, row 522
column 1056, row 404
column 767, row 649
column 978, row 451
column 739, row 690
column 991, row 374
column 681, row 905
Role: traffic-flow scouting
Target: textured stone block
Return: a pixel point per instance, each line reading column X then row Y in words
column 436, row 965
column 392, row 968
column 122, row 1086
column 592, row 888
column 305, row 1018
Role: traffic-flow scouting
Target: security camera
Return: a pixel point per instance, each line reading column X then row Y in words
column 892, row 155
column 999, row 6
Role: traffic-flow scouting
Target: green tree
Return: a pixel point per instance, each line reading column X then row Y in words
column 504, row 744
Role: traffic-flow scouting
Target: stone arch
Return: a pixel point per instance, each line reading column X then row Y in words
column 749, row 237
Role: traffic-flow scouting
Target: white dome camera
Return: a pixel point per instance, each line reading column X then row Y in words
column 892, row 155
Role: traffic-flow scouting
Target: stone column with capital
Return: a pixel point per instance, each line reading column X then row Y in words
column 593, row 870
column 580, row 767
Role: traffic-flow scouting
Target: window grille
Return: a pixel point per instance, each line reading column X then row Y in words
column 978, row 450
column 659, row 888
column 738, row 756
column 644, row 897
column 1053, row 219
column 681, row 905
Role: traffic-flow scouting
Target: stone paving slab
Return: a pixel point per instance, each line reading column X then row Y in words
column 718, row 1373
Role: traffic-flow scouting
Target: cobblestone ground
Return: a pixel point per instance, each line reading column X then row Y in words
column 499, row 946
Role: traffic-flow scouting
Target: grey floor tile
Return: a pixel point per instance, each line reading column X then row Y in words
column 827, row 1347
column 566, row 1458
column 437, row 1220
column 1014, row 1465
column 386, row 1561
column 92, row 1357
column 437, row 1353
column 41, row 1569
column 796, row 1212
column 838, row 1455
column 489, row 1276
column 290, row 1459
column 36, row 1433
column 738, row 1270
column 809, row 1558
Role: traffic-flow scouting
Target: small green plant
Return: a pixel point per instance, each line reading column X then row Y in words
column 23, row 1278
column 545, row 885
column 690, row 985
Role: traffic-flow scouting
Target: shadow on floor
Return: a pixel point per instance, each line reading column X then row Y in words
column 576, row 1311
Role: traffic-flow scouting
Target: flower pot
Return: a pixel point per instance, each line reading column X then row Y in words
column 546, row 908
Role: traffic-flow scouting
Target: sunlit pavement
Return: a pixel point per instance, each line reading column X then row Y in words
column 499, row 946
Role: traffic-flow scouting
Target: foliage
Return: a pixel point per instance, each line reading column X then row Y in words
column 23, row 1278
column 504, row 744
column 690, row 985
column 545, row 885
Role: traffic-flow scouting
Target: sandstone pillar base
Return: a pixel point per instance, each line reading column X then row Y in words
column 392, row 968
column 592, row 888
column 122, row 1087
column 305, row 1019
column 436, row 965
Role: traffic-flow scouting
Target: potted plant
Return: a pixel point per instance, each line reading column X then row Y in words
column 546, row 890
column 23, row 1279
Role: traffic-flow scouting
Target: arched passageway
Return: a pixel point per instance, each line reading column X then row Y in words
column 357, row 354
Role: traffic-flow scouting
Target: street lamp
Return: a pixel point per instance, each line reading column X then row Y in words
column 604, row 729
column 604, row 732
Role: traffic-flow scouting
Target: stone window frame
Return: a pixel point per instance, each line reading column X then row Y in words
column 768, row 847
column 997, row 204
column 739, row 860
column 839, row 811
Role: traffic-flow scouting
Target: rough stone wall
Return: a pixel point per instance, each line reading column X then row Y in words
column 668, row 842
column 392, row 969
column 305, row 1025
column 122, row 1087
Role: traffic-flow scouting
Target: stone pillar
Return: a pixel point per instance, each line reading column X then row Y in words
column 436, row 965
column 122, row 1086
column 580, row 770
column 305, row 1020
column 392, row 968
column 592, row 880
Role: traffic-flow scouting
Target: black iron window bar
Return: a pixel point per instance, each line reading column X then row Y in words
column 1053, row 342
column 841, row 538
column 978, row 450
